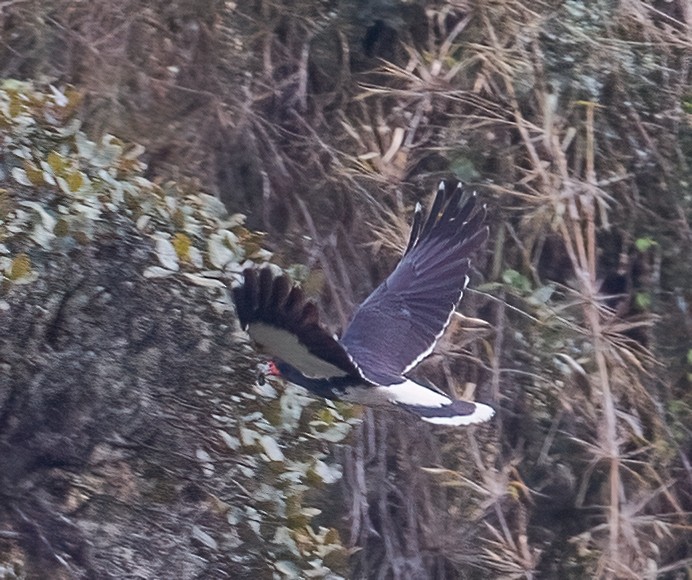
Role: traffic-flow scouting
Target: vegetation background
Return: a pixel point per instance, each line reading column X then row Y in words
column 324, row 122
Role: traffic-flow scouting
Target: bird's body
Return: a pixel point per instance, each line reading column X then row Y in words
column 395, row 328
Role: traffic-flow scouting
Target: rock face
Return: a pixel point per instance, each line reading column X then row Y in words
column 135, row 441
column 107, row 393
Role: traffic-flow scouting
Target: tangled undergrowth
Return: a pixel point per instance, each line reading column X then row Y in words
column 575, row 123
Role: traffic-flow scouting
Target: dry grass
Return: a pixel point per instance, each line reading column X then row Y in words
column 598, row 435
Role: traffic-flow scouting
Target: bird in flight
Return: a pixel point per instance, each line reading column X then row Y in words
column 391, row 332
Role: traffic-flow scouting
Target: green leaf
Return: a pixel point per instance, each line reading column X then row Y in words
column 642, row 300
column 516, row 280
column 75, row 180
column 21, row 267
column 182, row 244
column 644, row 244
column 57, row 162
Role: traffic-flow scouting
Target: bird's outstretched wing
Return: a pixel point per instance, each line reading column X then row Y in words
column 280, row 320
column 402, row 320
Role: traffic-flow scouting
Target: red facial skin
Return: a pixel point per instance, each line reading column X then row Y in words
column 273, row 370
column 265, row 370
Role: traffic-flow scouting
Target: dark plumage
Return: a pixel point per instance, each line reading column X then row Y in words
column 391, row 332
column 409, row 311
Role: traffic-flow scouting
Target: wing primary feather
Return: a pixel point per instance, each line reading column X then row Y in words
column 434, row 214
column 401, row 321
column 415, row 228
column 476, row 241
column 294, row 304
column 451, row 207
column 252, row 292
column 265, row 289
column 240, row 305
column 472, row 227
column 310, row 315
column 466, row 206
column 280, row 292
column 248, row 294
column 284, row 323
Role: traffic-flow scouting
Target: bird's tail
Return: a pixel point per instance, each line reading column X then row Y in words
column 434, row 406
column 455, row 413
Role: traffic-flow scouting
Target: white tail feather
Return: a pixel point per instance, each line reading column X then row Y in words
column 481, row 414
column 431, row 406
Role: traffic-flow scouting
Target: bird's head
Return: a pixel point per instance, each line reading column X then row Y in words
column 267, row 370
